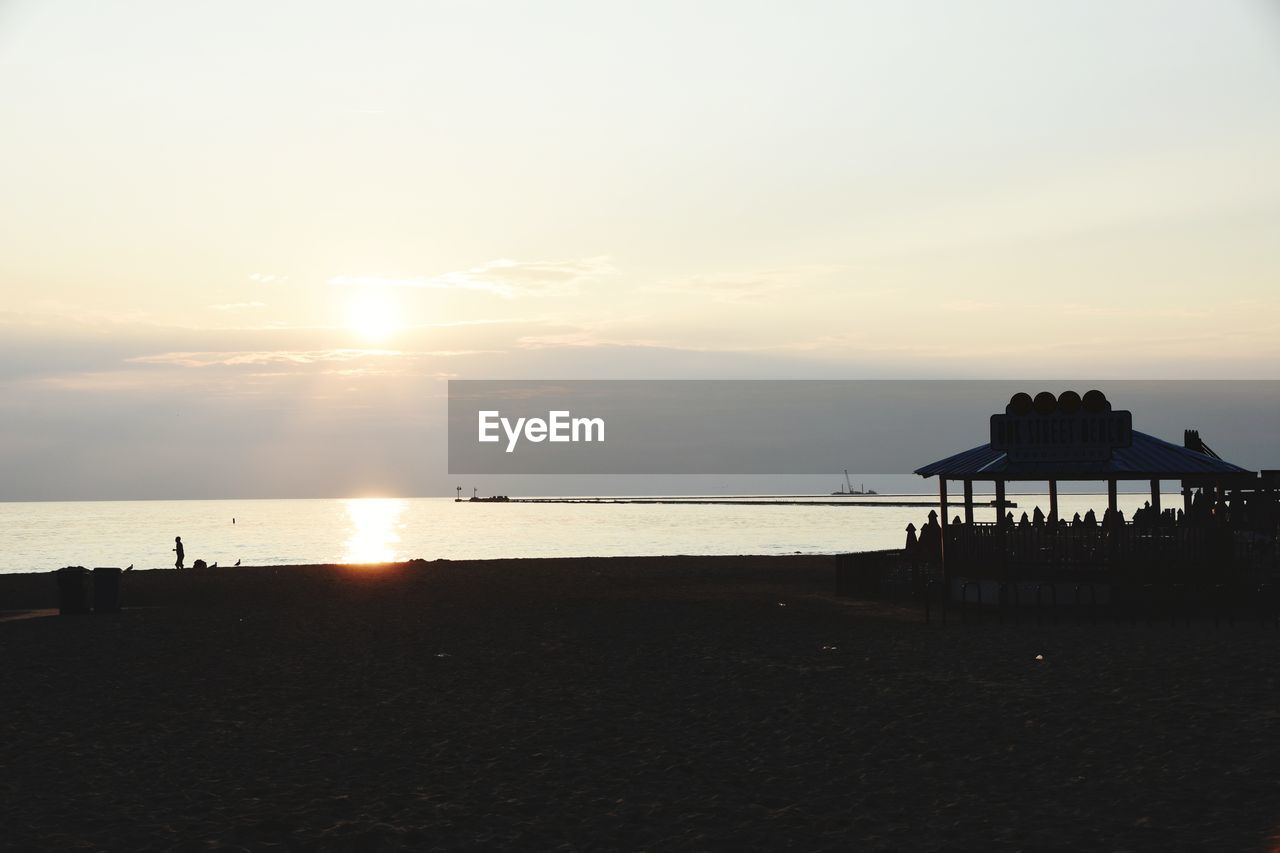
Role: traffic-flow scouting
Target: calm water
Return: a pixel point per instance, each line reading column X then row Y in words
column 44, row 536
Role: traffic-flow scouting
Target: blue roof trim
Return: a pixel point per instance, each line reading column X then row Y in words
column 1147, row 458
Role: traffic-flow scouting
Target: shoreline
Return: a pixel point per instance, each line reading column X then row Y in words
column 38, row 589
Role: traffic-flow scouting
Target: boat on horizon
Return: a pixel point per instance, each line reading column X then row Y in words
column 849, row 490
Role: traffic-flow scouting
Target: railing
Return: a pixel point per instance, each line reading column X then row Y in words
column 1137, row 553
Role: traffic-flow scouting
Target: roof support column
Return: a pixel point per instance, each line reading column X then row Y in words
column 1111, row 495
column 942, row 534
column 968, row 501
column 1003, row 566
column 1053, row 499
column 1155, row 496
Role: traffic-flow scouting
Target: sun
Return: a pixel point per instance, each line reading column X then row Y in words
column 372, row 315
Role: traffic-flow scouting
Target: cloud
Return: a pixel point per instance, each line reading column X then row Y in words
column 543, row 273
column 502, row 277
column 112, row 381
column 619, row 335
column 421, row 283
column 582, row 339
column 745, row 286
column 1079, row 309
column 723, row 287
column 287, row 357
column 969, row 306
column 238, row 306
column 267, row 278
column 231, row 359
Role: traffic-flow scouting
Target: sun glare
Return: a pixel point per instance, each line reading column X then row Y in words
column 375, row 524
column 372, row 315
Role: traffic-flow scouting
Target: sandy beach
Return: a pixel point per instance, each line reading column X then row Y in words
column 685, row 703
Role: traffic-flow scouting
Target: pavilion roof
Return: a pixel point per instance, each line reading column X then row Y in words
column 1147, row 458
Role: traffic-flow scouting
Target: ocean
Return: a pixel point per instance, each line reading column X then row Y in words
column 41, row 536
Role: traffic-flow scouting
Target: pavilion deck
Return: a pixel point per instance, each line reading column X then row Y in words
column 1219, row 567
column 1121, row 553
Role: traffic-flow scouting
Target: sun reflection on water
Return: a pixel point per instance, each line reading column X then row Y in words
column 375, row 525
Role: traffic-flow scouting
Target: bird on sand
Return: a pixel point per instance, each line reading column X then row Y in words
column 130, row 568
column 214, row 566
column 237, row 562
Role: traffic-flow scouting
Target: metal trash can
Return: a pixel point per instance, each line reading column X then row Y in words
column 106, row 589
column 73, row 590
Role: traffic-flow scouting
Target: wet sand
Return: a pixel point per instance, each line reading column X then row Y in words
column 662, row 704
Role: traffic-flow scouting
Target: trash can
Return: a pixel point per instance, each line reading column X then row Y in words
column 73, row 592
column 106, row 589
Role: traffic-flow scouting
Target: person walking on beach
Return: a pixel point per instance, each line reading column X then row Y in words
column 177, row 547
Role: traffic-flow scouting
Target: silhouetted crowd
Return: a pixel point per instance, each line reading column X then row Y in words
column 1258, row 511
column 1236, row 510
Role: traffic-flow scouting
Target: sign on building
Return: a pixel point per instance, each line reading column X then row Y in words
column 1063, row 429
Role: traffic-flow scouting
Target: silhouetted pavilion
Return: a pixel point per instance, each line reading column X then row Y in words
column 1070, row 438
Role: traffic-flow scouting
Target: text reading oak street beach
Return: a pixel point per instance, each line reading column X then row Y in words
column 557, row 427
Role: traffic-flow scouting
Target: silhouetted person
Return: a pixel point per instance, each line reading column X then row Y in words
column 910, row 547
column 1024, row 521
column 1218, row 511
column 1112, row 520
column 1090, row 519
column 177, row 547
column 1037, row 518
column 1076, row 521
column 931, row 538
column 1201, row 507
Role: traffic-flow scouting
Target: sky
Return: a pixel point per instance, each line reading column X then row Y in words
column 243, row 245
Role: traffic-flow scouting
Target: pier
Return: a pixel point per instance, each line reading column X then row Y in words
column 745, row 500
